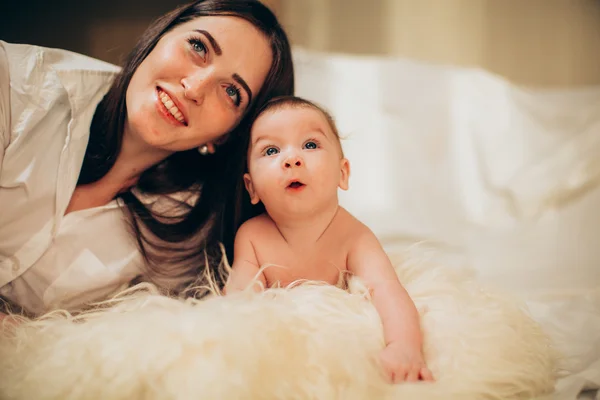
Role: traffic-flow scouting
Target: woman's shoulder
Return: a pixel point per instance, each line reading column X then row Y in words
column 27, row 57
column 40, row 75
column 44, row 80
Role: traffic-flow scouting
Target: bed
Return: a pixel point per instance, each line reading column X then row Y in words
column 499, row 177
column 484, row 194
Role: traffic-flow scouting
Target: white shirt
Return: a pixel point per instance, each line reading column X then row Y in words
column 47, row 260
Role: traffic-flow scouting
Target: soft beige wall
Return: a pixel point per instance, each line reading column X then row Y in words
column 535, row 42
column 549, row 43
column 105, row 29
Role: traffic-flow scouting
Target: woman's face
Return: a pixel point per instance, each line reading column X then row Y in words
column 197, row 83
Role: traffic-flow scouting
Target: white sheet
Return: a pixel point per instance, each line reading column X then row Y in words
column 503, row 178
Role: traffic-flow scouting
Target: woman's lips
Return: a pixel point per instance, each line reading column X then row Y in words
column 169, row 109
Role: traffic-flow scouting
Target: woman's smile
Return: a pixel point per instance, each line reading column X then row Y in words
column 168, row 108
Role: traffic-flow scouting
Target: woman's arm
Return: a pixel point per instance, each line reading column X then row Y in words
column 4, row 104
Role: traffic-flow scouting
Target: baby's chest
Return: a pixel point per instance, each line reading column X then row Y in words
column 284, row 265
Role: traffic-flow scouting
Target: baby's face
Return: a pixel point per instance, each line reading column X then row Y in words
column 294, row 161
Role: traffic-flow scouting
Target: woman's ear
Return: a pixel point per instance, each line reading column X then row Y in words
column 250, row 188
column 344, row 173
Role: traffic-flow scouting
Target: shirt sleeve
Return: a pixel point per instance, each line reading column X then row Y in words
column 4, row 104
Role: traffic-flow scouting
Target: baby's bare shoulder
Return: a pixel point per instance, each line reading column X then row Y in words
column 353, row 228
column 260, row 225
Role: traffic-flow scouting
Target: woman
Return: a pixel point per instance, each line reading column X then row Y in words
column 109, row 176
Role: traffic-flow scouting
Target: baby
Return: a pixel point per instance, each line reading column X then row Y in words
column 295, row 166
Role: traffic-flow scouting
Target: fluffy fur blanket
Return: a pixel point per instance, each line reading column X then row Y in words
column 309, row 342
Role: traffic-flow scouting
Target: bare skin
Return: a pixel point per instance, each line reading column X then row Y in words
column 306, row 235
column 312, row 253
column 7, row 319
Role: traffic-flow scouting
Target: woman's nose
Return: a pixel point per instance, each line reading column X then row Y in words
column 292, row 162
column 194, row 86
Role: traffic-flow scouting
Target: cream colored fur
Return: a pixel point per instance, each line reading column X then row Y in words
column 309, row 342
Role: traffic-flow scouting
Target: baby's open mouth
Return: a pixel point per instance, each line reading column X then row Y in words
column 296, row 185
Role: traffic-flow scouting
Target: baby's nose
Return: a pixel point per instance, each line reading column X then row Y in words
column 294, row 161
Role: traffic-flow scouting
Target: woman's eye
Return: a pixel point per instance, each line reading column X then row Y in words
column 310, row 145
column 234, row 94
column 198, row 47
column 271, row 151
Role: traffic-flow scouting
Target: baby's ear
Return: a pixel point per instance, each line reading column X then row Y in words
column 344, row 173
column 250, row 188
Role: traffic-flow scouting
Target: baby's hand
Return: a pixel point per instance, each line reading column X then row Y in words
column 404, row 363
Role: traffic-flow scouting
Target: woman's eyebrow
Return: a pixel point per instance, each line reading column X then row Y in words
column 212, row 41
column 218, row 52
column 243, row 84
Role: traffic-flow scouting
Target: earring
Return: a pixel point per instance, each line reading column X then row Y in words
column 203, row 150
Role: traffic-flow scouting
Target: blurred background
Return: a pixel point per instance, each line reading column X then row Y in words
column 542, row 43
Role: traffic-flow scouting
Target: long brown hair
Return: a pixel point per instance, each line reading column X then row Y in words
column 210, row 200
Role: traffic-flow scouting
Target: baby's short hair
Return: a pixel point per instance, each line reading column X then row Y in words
column 282, row 102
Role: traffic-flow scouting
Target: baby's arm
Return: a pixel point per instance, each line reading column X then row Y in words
column 402, row 358
column 8, row 320
column 245, row 264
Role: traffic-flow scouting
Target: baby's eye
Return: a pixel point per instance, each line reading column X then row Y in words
column 271, row 151
column 310, row 145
